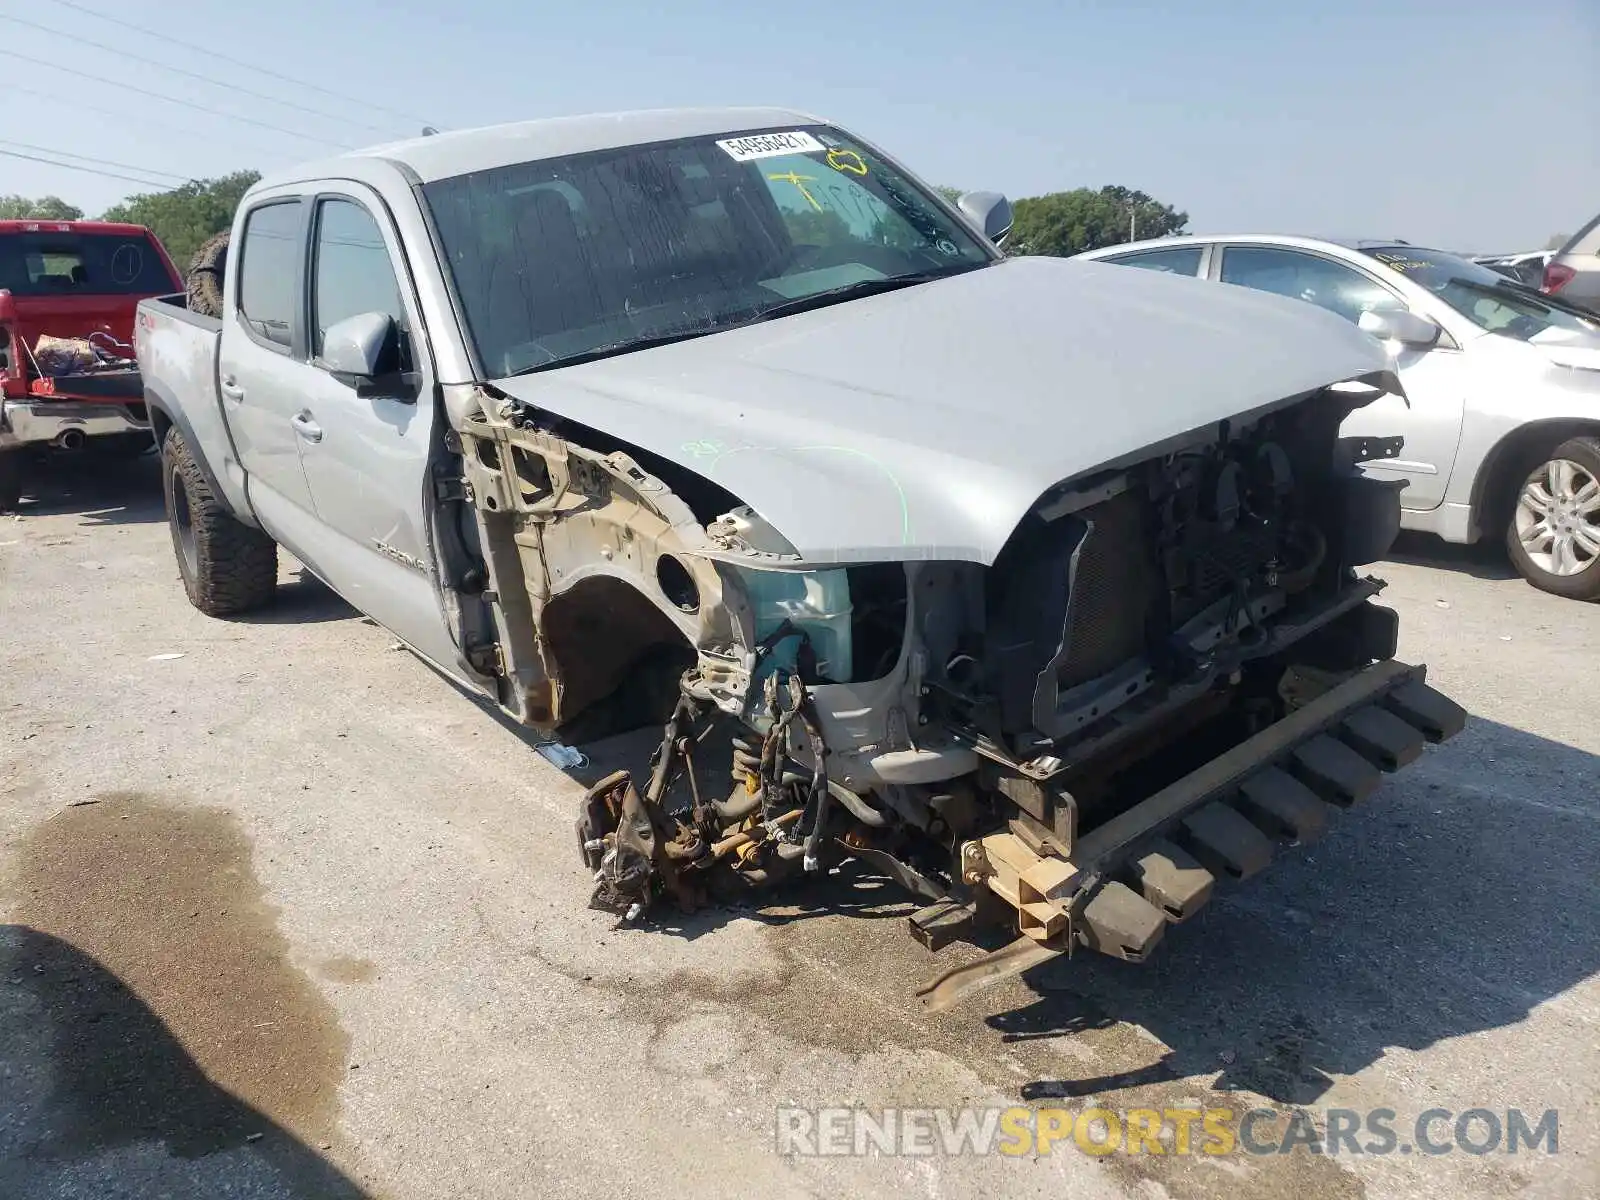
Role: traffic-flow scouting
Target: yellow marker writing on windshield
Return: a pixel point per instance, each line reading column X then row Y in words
column 847, row 160
column 800, row 182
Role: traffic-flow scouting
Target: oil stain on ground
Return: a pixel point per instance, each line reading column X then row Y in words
column 175, row 1013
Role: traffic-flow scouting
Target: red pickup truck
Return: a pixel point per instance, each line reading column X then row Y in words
column 78, row 281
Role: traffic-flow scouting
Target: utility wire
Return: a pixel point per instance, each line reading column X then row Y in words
column 89, row 158
column 80, row 40
column 89, row 170
column 212, row 52
column 144, row 122
column 173, row 100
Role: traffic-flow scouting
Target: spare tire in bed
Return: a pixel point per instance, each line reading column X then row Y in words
column 206, row 270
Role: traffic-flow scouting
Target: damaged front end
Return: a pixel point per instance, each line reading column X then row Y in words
column 1171, row 669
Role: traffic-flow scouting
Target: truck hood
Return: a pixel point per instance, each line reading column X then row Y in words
column 925, row 423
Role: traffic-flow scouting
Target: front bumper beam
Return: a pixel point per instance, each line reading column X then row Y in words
column 1156, row 863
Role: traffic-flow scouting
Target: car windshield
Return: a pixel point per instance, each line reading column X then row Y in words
column 1486, row 298
column 568, row 259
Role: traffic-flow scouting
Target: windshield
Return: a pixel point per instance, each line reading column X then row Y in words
column 573, row 258
column 82, row 264
column 1486, row 298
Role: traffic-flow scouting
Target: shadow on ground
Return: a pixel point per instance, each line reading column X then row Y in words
column 156, row 1038
column 93, row 1074
column 1485, row 560
column 301, row 600
column 1460, row 897
column 103, row 489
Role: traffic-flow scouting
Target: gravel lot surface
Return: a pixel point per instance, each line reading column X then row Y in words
column 286, row 915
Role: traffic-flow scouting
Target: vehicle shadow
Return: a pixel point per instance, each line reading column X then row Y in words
column 1462, row 896
column 1485, row 559
column 103, row 490
column 95, row 1079
column 302, row 600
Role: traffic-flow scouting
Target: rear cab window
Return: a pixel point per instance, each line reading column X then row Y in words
column 45, row 263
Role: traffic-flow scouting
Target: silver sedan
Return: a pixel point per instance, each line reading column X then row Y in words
column 1502, row 426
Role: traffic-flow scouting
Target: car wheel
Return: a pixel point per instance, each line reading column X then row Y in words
column 227, row 567
column 1554, row 532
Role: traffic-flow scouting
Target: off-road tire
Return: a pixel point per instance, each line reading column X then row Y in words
column 10, row 480
column 1584, row 584
column 207, row 270
column 226, row 566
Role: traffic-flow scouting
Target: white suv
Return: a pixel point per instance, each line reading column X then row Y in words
column 1502, row 427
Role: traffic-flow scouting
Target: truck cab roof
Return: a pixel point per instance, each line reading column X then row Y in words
column 445, row 155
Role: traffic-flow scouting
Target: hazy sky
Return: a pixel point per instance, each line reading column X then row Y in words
column 1469, row 124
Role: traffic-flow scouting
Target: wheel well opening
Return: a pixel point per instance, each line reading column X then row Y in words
column 1494, row 494
column 159, row 421
column 603, row 634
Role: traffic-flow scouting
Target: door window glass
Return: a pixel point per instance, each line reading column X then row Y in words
column 1181, row 260
column 353, row 274
column 268, row 271
column 1327, row 284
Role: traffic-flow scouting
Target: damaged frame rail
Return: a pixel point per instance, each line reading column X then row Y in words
column 1156, row 863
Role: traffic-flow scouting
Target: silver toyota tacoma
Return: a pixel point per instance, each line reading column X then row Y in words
column 1032, row 586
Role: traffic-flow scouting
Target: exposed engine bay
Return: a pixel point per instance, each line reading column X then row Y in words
column 1172, row 667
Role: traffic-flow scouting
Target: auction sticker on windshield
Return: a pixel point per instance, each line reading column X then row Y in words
column 769, row 145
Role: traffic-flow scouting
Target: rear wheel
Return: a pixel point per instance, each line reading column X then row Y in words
column 1553, row 535
column 227, row 567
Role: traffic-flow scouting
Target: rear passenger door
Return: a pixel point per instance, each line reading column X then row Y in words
column 263, row 338
column 367, row 450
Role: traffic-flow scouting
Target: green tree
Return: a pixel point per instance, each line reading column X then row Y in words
column 812, row 227
column 951, row 194
column 1556, row 241
column 1066, row 223
column 45, row 208
column 186, row 216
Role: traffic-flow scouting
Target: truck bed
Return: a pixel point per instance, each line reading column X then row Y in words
column 177, row 351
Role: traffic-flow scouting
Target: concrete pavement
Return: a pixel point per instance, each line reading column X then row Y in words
column 289, row 916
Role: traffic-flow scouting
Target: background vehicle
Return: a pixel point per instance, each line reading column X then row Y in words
column 1527, row 267
column 1502, row 410
column 723, row 421
column 1573, row 272
column 74, row 283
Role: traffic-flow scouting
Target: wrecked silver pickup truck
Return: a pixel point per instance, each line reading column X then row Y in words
column 1031, row 584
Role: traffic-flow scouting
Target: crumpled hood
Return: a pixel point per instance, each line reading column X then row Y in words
column 924, row 423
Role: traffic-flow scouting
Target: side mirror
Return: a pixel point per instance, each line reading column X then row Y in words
column 990, row 212
column 1398, row 325
column 8, row 307
column 358, row 349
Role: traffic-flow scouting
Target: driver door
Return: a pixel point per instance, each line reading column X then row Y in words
column 367, row 454
column 1435, row 378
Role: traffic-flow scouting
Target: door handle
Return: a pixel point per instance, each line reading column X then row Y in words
column 306, row 427
column 230, row 388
